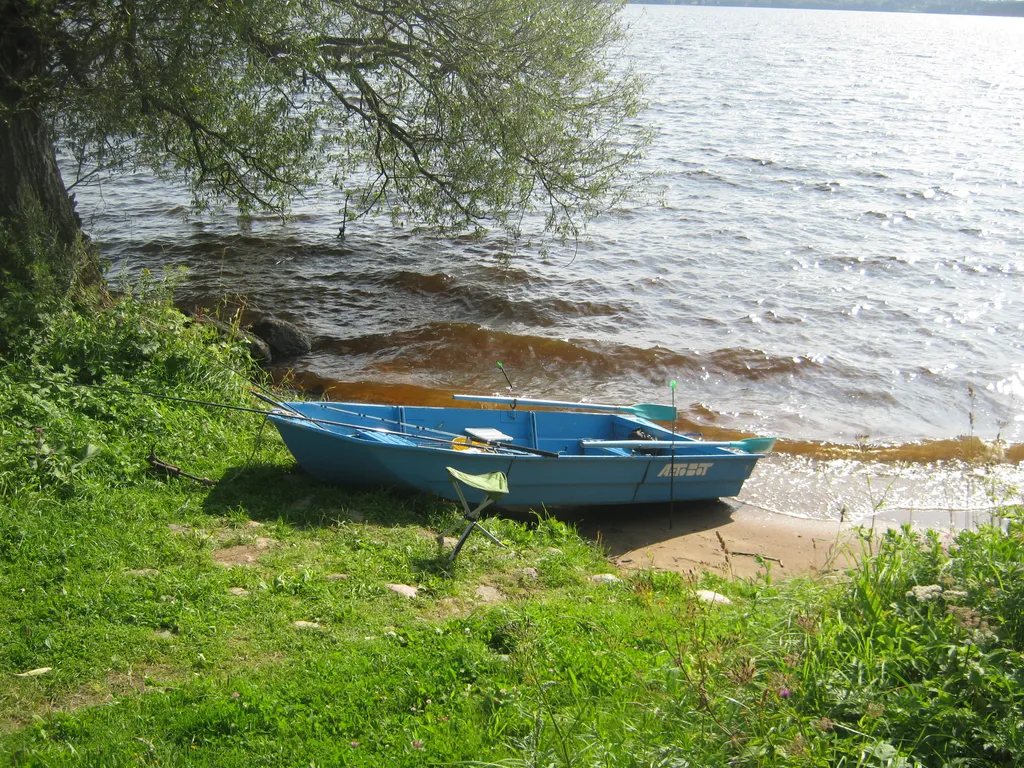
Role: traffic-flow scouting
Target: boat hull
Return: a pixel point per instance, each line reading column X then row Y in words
column 357, row 445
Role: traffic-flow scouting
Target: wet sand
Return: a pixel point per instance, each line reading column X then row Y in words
column 725, row 537
column 789, row 515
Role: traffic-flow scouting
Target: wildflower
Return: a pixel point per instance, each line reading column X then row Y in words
column 874, row 710
column 924, row 594
column 417, row 744
column 235, row 695
column 354, row 744
column 784, row 693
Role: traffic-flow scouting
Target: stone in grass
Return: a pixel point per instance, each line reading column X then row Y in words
column 712, row 597
column 306, row 624
column 336, row 577
column 403, row 589
column 529, row 573
column 147, row 572
column 604, row 578
column 242, row 554
column 489, row 594
column 238, row 591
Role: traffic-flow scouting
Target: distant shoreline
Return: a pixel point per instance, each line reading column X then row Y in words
column 946, row 7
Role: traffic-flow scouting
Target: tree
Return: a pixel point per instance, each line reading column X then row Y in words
column 459, row 113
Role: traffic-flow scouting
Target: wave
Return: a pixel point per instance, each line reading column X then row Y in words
column 467, row 344
column 703, row 174
column 756, row 365
column 971, row 450
column 481, row 300
column 461, row 348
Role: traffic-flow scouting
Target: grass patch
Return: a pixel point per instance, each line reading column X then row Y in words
column 251, row 622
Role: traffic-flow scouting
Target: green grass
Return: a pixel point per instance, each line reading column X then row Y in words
column 160, row 654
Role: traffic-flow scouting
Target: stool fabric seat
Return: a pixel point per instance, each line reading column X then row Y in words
column 493, row 484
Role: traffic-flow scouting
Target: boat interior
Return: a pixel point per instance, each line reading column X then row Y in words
column 563, row 432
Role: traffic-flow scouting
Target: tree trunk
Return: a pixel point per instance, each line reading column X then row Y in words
column 32, row 180
column 43, row 234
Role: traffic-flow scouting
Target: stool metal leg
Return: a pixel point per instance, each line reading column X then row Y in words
column 473, row 516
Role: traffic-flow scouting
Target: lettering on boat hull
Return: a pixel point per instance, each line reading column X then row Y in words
column 686, row 470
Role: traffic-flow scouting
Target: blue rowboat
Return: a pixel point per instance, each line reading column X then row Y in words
column 550, row 457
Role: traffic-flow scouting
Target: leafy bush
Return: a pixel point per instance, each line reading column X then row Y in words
column 923, row 650
column 68, row 389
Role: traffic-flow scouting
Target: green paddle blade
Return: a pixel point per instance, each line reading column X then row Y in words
column 654, row 412
column 755, row 444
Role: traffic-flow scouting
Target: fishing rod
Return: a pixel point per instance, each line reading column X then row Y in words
column 175, row 399
column 445, row 440
column 503, row 373
column 448, row 439
column 298, row 415
column 404, row 426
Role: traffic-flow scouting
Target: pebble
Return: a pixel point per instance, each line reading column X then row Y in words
column 489, row 594
column 403, row 589
column 33, row 672
column 712, row 597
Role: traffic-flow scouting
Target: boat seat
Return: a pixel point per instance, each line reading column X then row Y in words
column 488, row 435
column 493, row 484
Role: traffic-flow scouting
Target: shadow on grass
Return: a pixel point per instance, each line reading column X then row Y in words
column 622, row 529
column 270, row 492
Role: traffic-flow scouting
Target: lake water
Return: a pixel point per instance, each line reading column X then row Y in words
column 832, row 251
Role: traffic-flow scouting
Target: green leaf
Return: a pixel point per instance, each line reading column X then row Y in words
column 88, row 452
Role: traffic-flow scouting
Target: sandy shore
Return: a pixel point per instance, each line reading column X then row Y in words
column 726, row 537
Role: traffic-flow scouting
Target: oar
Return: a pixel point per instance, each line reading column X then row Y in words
column 651, row 411
column 758, row 445
column 288, row 411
